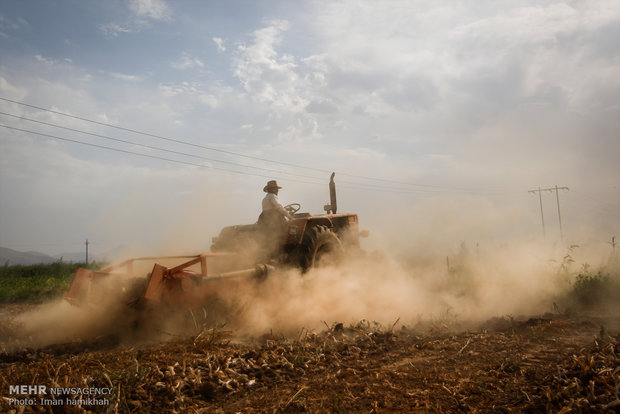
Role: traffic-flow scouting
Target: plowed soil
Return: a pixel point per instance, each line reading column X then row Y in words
column 550, row 363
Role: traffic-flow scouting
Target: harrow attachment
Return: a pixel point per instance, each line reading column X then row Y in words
column 187, row 284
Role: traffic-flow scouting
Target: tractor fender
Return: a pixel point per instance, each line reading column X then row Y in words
column 320, row 221
column 298, row 227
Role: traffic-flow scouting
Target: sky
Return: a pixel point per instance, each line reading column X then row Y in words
column 153, row 124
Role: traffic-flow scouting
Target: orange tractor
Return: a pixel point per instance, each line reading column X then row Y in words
column 243, row 251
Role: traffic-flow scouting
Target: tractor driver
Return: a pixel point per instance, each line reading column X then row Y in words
column 274, row 215
column 272, row 221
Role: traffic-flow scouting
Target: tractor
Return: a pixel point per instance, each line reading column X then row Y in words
column 237, row 254
column 305, row 241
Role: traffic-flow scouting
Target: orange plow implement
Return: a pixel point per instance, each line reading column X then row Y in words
column 188, row 283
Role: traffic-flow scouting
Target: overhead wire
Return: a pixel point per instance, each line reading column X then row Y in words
column 428, row 188
column 124, row 151
column 173, row 140
column 151, row 146
column 178, row 141
column 351, row 184
column 194, row 164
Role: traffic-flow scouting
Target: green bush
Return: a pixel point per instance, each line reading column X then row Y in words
column 36, row 283
column 594, row 291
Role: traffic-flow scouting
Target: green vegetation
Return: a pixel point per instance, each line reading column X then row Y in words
column 595, row 290
column 36, row 283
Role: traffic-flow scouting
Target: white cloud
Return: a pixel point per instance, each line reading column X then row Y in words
column 113, row 29
column 413, row 56
column 183, row 88
column 220, row 44
column 10, row 90
column 22, row 22
column 144, row 13
column 13, row 25
column 151, row 9
column 289, row 91
column 125, row 77
column 267, row 76
column 44, row 60
column 321, row 106
column 209, row 100
column 187, row 61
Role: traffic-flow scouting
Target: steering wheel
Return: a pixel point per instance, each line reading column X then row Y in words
column 292, row 208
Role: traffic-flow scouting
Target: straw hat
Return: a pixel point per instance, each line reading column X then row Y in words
column 270, row 185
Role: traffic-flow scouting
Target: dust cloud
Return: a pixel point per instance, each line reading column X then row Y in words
column 102, row 312
column 60, row 322
column 466, row 287
column 469, row 285
column 409, row 275
column 450, row 263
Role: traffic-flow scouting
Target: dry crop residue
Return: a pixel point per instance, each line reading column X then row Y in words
column 544, row 364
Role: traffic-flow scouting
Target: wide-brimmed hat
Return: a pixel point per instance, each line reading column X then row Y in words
column 271, row 184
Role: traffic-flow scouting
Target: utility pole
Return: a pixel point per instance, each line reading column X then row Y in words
column 87, row 252
column 542, row 215
column 557, row 197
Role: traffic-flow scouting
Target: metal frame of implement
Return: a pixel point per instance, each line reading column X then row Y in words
column 176, row 285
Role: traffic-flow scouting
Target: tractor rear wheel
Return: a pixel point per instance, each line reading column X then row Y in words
column 320, row 246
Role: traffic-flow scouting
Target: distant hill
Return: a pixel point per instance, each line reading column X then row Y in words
column 13, row 257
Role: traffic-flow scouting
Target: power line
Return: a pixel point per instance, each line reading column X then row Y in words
column 178, row 141
column 360, row 187
column 151, row 147
column 186, row 154
column 242, row 155
column 350, row 184
column 131, row 152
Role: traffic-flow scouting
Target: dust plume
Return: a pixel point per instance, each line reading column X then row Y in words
column 408, row 287
column 103, row 312
column 108, row 312
column 382, row 289
column 467, row 286
column 60, row 322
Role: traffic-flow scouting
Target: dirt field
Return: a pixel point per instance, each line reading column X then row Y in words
column 549, row 363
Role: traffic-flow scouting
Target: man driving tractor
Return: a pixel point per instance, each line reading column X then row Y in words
column 274, row 214
column 273, row 219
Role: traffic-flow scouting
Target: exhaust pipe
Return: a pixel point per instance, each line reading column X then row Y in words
column 333, row 206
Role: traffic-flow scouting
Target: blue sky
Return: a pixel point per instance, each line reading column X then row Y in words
column 438, row 117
